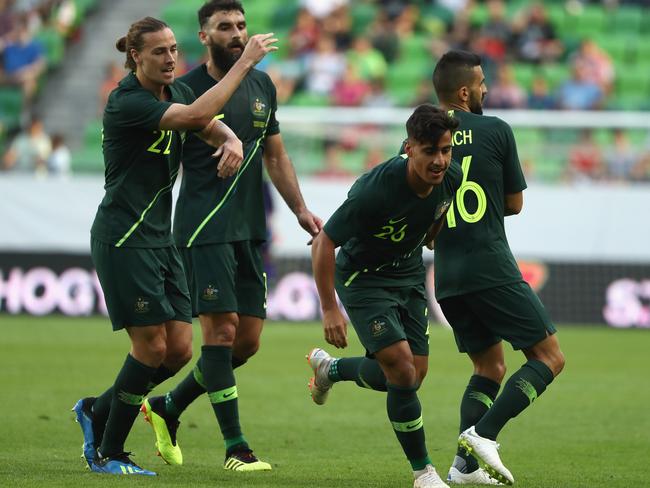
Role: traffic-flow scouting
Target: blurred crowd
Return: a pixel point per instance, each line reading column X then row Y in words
column 22, row 56
column 327, row 58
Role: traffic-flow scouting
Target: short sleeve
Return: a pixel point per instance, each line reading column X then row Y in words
column 513, row 176
column 138, row 108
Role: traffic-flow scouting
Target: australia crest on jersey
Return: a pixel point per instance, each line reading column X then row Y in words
column 210, row 293
column 441, row 209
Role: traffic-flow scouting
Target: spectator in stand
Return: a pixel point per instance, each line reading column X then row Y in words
column 383, row 36
column 597, row 63
column 284, row 77
column 495, row 35
column 338, row 24
column 322, row 8
column 333, row 167
column 23, row 61
column 641, row 170
column 114, row 73
column 58, row 163
column 7, row 22
column 585, row 159
column 29, row 150
column 534, row 36
column 621, row 157
column 505, row 92
column 325, row 67
column 350, row 90
column 304, row 35
column 539, row 97
column 369, row 62
column 377, row 97
column 580, row 93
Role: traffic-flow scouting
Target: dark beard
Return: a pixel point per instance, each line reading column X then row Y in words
column 476, row 106
column 223, row 59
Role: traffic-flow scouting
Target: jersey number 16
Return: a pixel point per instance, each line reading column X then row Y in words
column 466, row 186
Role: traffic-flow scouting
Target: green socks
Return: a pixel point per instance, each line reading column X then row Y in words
column 477, row 399
column 102, row 405
column 190, row 388
column 216, row 364
column 363, row 371
column 521, row 390
column 129, row 390
column 405, row 414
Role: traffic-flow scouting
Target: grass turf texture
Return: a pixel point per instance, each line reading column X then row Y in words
column 589, row 430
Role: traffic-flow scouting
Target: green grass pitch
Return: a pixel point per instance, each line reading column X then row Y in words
column 590, row 429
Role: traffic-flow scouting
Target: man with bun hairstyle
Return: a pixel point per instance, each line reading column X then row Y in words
column 145, row 121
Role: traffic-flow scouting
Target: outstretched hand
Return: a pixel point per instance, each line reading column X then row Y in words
column 259, row 46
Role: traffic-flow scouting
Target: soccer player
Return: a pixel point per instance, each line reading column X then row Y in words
column 477, row 281
column 220, row 228
column 132, row 249
column 390, row 213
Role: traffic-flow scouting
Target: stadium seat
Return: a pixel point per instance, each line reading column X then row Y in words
column 626, row 20
column 11, row 105
column 362, row 15
column 616, row 45
column 591, row 21
column 555, row 74
column 53, row 45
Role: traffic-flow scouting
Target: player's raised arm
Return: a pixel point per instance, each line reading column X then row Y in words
column 323, row 264
column 200, row 113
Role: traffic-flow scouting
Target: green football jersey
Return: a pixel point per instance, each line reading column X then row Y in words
column 141, row 163
column 472, row 251
column 216, row 210
column 381, row 226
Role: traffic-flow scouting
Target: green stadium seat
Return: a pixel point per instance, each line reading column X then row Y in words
column 11, row 106
column 53, row 44
column 591, row 21
column 362, row 16
column 524, row 74
column 93, row 133
column 83, row 6
column 306, row 99
column 414, row 49
column 180, row 16
column 479, row 15
column 555, row 74
column 88, row 160
column 283, row 18
column 354, row 160
column 626, row 20
column 617, row 46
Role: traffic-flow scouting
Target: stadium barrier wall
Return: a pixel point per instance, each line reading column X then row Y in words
column 612, row 294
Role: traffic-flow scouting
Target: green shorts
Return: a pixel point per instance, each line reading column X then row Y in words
column 226, row 278
column 511, row 312
column 384, row 316
column 142, row 286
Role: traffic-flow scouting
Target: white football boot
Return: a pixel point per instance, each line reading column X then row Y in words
column 429, row 479
column 320, row 384
column 486, row 451
column 478, row 477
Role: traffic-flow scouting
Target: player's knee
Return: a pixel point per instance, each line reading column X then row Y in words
column 246, row 348
column 403, row 374
column 154, row 351
column 178, row 356
column 220, row 330
column 558, row 362
column 495, row 371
